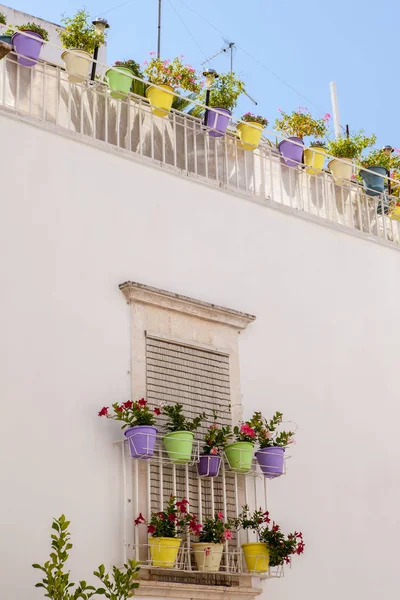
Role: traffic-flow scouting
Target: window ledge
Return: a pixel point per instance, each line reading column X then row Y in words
column 190, row 591
column 144, row 294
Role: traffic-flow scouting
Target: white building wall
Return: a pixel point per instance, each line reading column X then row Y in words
column 75, row 223
column 52, row 51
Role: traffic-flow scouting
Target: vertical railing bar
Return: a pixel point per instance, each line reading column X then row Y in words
column 129, row 120
column 343, row 209
column 255, row 492
column 265, row 494
column 212, row 496
column 44, row 92
column 82, row 96
column 368, row 215
column 281, row 188
column 140, row 111
column 383, row 216
column 195, row 147
column 254, row 174
column 148, row 486
column 246, row 500
column 360, row 223
column 226, row 162
column 175, row 140
column 152, row 135
column 216, row 147
column 118, row 124
column 163, row 140
column 3, row 91
column 106, row 118
column 94, row 113
column 30, row 90
column 58, row 93
column 185, row 143
column 174, row 479
column 161, row 480
column 17, row 93
column 69, row 105
column 199, row 480
column 236, row 164
column 246, row 183
column 206, row 142
column 124, row 502
column 225, row 509
column 136, row 504
column 351, row 205
column 187, row 490
column 316, row 184
column 271, row 174
column 237, row 513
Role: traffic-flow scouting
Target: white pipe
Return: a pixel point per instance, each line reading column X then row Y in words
column 335, row 110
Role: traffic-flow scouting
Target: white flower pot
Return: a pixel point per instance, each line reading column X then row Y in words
column 208, row 556
column 341, row 169
column 77, row 64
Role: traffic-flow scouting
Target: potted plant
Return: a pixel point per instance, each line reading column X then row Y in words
column 215, row 440
column 250, row 130
column 6, row 37
column 273, row 547
column 347, row 149
column 272, row 444
column 208, row 550
column 314, row 156
column 239, row 454
column 395, row 195
column 178, row 440
column 164, row 528
column 80, row 38
column 120, row 585
column 140, row 420
column 28, row 40
column 120, row 77
column 296, row 126
column 224, row 93
column 375, row 166
column 168, row 76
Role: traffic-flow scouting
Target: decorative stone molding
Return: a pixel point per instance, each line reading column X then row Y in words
column 144, row 294
column 185, row 591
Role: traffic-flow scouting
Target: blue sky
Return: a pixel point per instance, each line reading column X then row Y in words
column 306, row 44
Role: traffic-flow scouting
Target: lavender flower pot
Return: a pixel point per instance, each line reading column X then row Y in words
column 292, row 153
column 217, row 122
column 271, row 461
column 208, row 466
column 27, row 46
column 142, row 440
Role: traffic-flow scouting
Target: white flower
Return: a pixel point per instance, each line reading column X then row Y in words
column 162, row 404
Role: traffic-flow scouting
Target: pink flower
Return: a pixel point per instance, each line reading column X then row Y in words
column 247, row 430
column 220, row 516
column 207, row 551
column 152, row 53
column 214, row 450
column 146, row 62
column 327, row 116
column 279, row 110
column 292, row 441
column 228, row 534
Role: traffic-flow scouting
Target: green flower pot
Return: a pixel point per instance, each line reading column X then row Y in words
column 119, row 81
column 239, row 456
column 178, row 445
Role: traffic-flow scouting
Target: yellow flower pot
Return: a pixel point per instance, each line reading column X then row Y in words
column 256, row 555
column 164, row 551
column 250, row 134
column 341, row 169
column 160, row 99
column 77, row 64
column 314, row 158
column 395, row 213
column 208, row 556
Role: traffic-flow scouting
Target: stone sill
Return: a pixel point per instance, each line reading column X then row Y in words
column 158, row 583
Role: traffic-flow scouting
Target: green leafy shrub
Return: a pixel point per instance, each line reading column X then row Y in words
column 3, row 20
column 80, row 33
column 250, row 118
column 380, row 158
column 34, row 28
column 350, row 147
column 177, row 421
column 173, row 73
column 57, row 585
column 225, row 91
column 300, row 123
column 266, row 431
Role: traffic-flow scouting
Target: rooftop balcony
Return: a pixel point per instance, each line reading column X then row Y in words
column 180, row 143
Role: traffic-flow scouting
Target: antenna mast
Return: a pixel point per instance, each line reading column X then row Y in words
column 159, row 30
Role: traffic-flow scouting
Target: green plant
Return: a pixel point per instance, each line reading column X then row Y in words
column 350, row 147
column 173, row 73
column 132, row 413
column 3, row 20
column 137, row 87
column 216, row 438
column 56, row 581
column 79, row 33
column 250, row 118
column 381, row 158
column 215, row 531
column 281, row 547
column 171, row 522
column 318, row 144
column 300, row 123
column 266, row 431
column 34, row 28
column 177, row 421
column 225, row 91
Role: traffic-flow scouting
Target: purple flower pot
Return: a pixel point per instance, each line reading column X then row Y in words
column 142, row 440
column 27, row 46
column 292, row 153
column 217, row 122
column 271, row 460
column 208, row 465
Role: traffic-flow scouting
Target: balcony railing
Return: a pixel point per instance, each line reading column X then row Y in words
column 181, row 143
column 148, row 483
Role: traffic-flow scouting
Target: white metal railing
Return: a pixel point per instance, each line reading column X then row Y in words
column 181, row 142
column 148, row 483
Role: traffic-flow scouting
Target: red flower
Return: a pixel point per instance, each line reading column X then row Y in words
column 160, row 515
column 195, row 527
column 247, row 430
column 151, row 529
column 181, row 506
column 157, row 411
column 128, row 404
column 172, row 518
column 275, row 527
column 142, row 402
column 220, row 516
column 119, row 409
column 103, row 412
column 140, row 519
column 227, row 534
column 266, row 517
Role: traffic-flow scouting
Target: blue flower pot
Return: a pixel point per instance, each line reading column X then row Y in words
column 375, row 184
